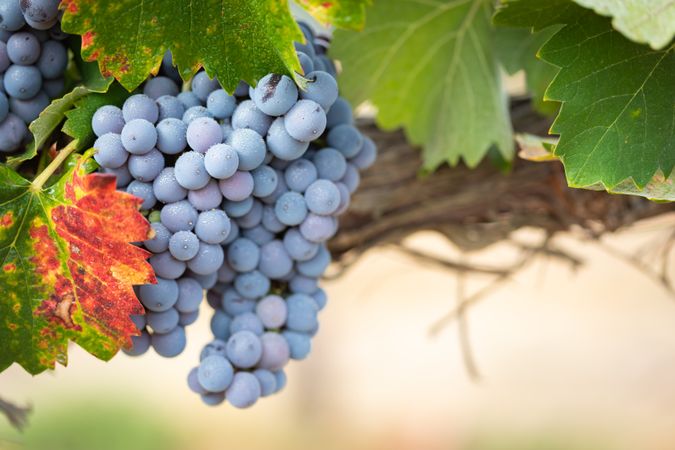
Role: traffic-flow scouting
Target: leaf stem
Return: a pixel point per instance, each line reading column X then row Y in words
column 42, row 178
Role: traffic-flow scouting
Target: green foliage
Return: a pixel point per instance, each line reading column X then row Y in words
column 617, row 121
column 344, row 14
column 432, row 68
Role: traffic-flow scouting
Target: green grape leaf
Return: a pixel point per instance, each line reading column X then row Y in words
column 48, row 121
column 67, row 267
column 78, row 117
column 646, row 21
column 430, row 67
column 231, row 39
column 517, row 49
column 618, row 114
column 345, row 14
column 88, row 72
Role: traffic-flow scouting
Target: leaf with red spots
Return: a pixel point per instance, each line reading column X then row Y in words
column 67, row 267
column 232, row 39
column 341, row 13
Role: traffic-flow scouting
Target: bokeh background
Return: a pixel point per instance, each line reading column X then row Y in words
column 569, row 359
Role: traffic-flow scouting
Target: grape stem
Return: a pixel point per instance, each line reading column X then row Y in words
column 41, row 179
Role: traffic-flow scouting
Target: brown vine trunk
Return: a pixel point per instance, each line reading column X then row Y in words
column 474, row 207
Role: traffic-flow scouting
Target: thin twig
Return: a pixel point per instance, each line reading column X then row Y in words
column 463, row 330
column 17, row 415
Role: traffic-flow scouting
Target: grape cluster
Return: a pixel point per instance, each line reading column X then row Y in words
column 33, row 61
column 242, row 192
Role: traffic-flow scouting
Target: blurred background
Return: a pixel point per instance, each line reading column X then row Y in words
column 567, row 359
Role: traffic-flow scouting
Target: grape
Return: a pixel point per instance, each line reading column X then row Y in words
column 345, row 198
column 322, row 197
column 139, row 136
column 53, row 60
column 307, row 49
column 316, row 266
column 208, row 259
column 22, row 82
column 258, row 234
column 247, row 322
column 206, row 281
column 264, row 181
column 107, row 119
column 281, row 379
column 40, row 11
column 238, row 209
column 299, row 248
column 275, row 351
column 252, row 284
column 183, row 245
column 140, row 106
column 300, row 344
column 225, row 273
column 163, row 322
column 190, row 171
column 179, row 216
column 109, row 151
column 351, row 178
column 247, row 115
column 303, row 285
column 138, row 320
column 4, row 58
column 23, row 48
column 267, row 380
column 330, row 164
column 215, row 347
column 202, row 133
column 270, row 221
column 213, row 226
column 282, row 144
column 274, row 260
column 147, row 166
column 156, row 87
column 244, row 349
column 221, row 104
column 166, row 266
column 170, row 344
column 159, row 297
column 30, row 109
column 226, row 126
column 242, row 89
column 244, row 390
column 144, row 192
column 291, row 208
column 12, row 132
column 171, row 136
column 202, row 85
column 275, row 94
column 160, row 242
column 346, row 139
column 306, row 31
column 238, row 187
column 193, row 382
column 188, row 99
column 234, row 233
column 166, row 187
column 306, row 63
column 340, row 113
column 221, row 161
column 243, row 255
column 220, row 325
column 320, row 298
column 235, row 304
column 169, row 107
column 302, row 313
column 167, row 68
column 215, row 373
column 366, row 157
column 121, row 174
column 140, row 344
column 250, row 148
column 190, row 295
column 54, row 87
column 305, row 121
column 11, row 17
column 252, row 217
column 208, row 197
column 322, row 88
column 272, row 311
column 300, row 174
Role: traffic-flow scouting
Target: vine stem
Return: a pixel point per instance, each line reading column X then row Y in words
column 42, row 178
